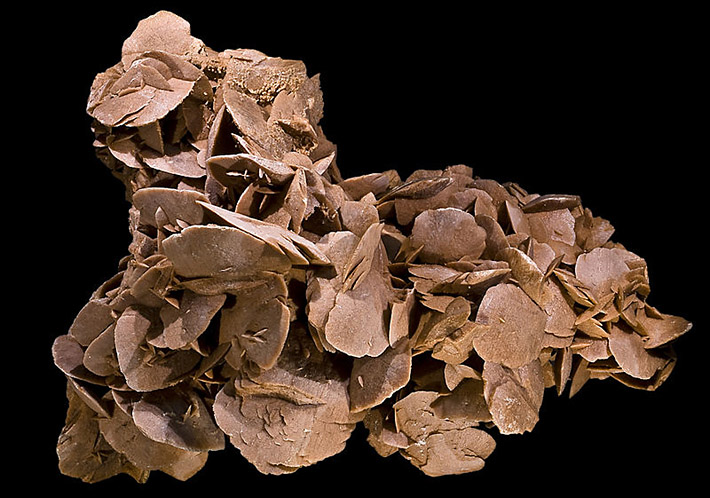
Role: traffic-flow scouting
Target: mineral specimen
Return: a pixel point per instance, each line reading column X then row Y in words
column 269, row 303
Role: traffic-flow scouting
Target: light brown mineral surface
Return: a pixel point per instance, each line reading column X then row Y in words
column 270, row 304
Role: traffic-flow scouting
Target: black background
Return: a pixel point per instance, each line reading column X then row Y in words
column 603, row 104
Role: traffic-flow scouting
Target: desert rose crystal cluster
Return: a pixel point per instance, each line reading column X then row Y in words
column 269, row 303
